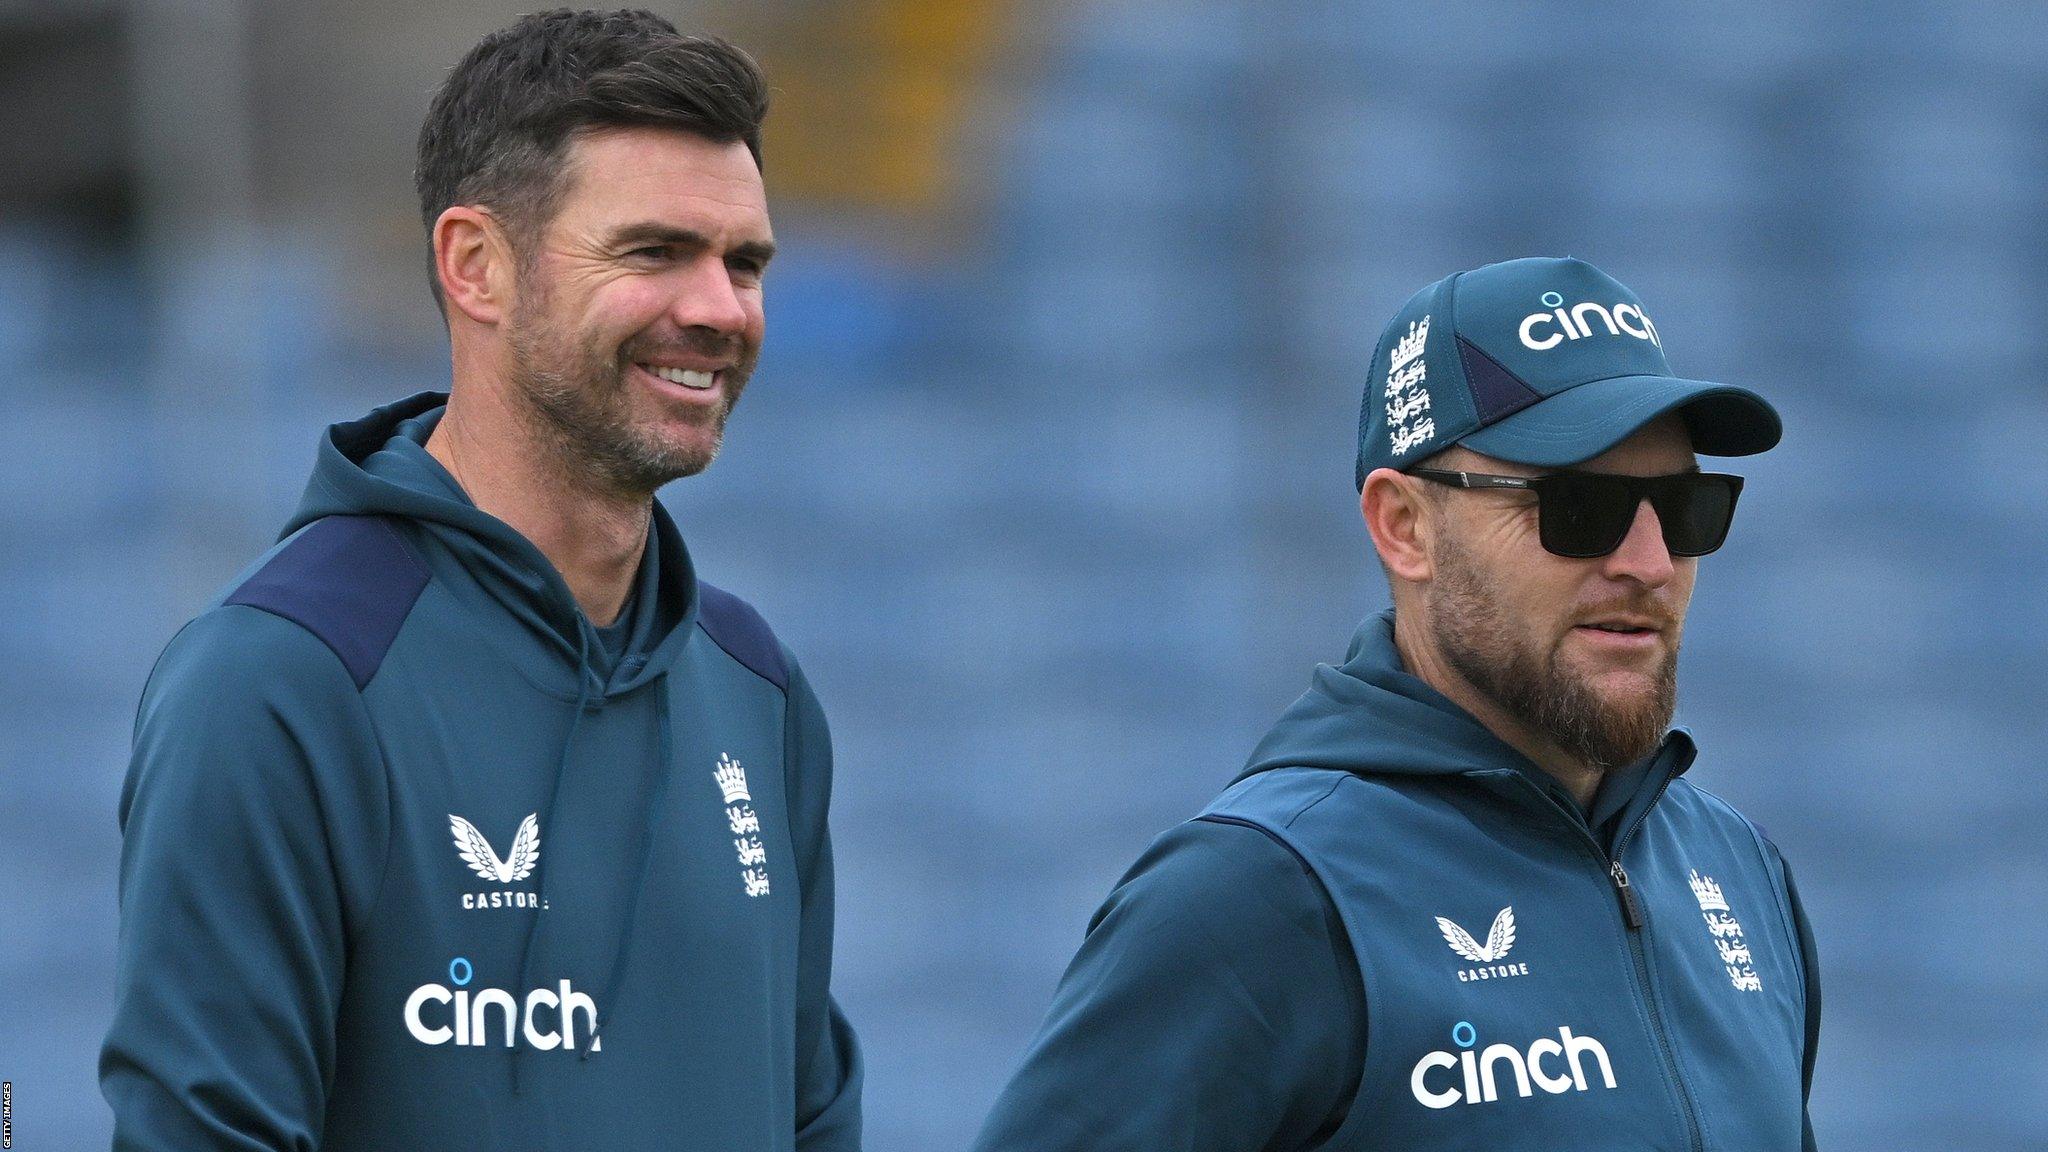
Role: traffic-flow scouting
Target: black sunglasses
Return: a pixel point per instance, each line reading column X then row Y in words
column 1587, row 514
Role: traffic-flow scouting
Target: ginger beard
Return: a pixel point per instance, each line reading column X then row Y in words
column 1540, row 686
column 598, row 424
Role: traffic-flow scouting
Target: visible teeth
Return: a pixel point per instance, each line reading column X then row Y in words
column 688, row 378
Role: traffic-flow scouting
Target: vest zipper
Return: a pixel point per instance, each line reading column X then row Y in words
column 1633, row 918
column 1629, row 909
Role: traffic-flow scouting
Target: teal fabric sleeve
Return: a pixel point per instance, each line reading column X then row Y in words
column 1215, row 1005
column 1810, row 957
column 828, row 1072
column 254, row 820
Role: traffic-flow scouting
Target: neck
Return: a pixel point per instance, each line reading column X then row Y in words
column 511, row 470
column 1423, row 661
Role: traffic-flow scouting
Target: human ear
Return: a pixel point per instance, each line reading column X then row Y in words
column 1396, row 515
column 474, row 263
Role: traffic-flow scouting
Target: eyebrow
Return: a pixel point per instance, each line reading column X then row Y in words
column 649, row 232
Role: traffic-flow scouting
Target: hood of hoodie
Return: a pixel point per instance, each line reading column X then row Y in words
column 378, row 465
column 1372, row 717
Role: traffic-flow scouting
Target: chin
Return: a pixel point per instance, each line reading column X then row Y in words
column 1640, row 705
column 684, row 456
column 1624, row 692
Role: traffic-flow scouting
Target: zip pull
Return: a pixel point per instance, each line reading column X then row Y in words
column 1631, row 910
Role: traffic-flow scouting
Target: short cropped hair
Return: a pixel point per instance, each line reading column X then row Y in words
column 499, row 129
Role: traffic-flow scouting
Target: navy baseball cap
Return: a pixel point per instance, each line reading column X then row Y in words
column 1543, row 362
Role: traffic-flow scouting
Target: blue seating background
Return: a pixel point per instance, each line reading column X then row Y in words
column 1059, row 523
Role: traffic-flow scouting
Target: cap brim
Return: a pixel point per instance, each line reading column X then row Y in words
column 1582, row 422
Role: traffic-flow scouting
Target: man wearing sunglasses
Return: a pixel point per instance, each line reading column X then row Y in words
column 1464, row 894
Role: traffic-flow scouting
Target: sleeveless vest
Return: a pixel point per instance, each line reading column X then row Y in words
column 1523, row 990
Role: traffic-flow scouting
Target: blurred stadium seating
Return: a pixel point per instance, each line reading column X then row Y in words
column 1045, row 472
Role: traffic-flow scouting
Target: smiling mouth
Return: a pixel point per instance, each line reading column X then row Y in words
column 691, row 378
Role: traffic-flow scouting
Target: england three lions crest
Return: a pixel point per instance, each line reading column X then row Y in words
column 731, row 777
column 1726, row 932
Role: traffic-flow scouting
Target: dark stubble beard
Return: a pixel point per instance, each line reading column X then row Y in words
column 1537, row 687
column 578, row 392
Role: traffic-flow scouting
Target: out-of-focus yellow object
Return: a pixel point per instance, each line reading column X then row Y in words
column 873, row 99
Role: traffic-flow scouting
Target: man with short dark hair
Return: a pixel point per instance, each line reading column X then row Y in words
column 1461, row 896
column 468, row 816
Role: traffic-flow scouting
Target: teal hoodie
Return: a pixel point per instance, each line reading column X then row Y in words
column 411, row 859
column 1393, row 931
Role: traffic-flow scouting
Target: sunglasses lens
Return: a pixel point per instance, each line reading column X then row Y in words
column 1695, row 511
column 1582, row 515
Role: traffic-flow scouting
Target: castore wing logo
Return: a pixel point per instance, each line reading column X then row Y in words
column 1499, row 939
column 477, row 853
column 514, row 866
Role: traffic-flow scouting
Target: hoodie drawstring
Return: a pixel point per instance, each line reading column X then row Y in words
column 583, row 674
column 666, row 771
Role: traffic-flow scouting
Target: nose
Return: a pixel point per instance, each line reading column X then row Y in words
column 708, row 298
column 1642, row 556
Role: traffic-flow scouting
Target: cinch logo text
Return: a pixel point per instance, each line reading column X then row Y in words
column 1480, row 1085
column 1561, row 324
column 470, row 1020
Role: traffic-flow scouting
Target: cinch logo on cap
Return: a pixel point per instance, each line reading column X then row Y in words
column 1539, row 361
column 1560, row 324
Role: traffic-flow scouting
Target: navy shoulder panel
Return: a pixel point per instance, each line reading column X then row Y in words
column 734, row 626
column 350, row 580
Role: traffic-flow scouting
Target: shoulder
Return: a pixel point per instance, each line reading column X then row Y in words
column 1221, row 882
column 1210, row 1005
column 238, row 697
column 1235, row 947
column 1708, row 818
column 1711, row 807
column 1286, row 799
column 737, row 628
column 349, row 582
column 239, row 658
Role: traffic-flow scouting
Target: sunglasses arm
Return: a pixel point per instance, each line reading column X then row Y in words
column 1473, row 479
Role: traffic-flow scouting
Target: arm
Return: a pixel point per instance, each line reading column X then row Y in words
column 236, row 891
column 1215, row 1005
column 1810, row 958
column 828, row 1065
